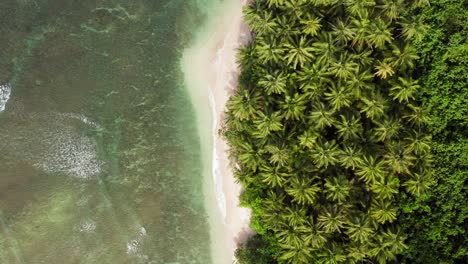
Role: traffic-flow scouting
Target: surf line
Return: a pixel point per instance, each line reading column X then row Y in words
column 216, row 172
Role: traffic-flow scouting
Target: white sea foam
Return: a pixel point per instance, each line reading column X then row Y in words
column 5, row 92
column 216, row 172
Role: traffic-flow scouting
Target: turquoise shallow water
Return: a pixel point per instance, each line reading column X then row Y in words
column 100, row 158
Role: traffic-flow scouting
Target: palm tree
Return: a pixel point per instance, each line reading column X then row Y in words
column 273, row 82
column 243, row 105
column 417, row 142
column 394, row 239
column 350, row 128
column 339, row 96
column 293, row 108
column 344, row 68
column 311, row 25
column 297, row 218
column 276, row 3
column 370, row 169
column 331, row 254
column 274, row 176
column 302, row 190
column 342, row 32
column 418, row 184
column 280, row 156
column 321, row 117
column 384, row 69
column 249, row 156
column 268, row 50
column 382, row 211
column 413, row 27
column 362, row 29
column 315, row 237
column 387, row 129
column 404, row 89
column 324, row 48
column 298, row 52
column 337, row 188
column 416, row 116
column 359, row 82
column 357, row 252
column 267, row 124
column 405, row 57
column 355, row 7
column 380, row 34
column 391, row 8
column 325, row 153
column 386, row 187
column 331, row 219
column 359, row 229
column 295, row 254
column 398, row 158
column 374, row 107
column 308, row 138
column 351, row 156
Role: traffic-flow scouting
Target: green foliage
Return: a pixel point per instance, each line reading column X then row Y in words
column 325, row 129
column 437, row 223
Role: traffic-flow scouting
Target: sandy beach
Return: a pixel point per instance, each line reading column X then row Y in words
column 211, row 73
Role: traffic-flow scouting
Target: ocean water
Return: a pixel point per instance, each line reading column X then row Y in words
column 99, row 151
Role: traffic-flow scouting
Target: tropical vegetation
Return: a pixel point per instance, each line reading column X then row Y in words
column 328, row 135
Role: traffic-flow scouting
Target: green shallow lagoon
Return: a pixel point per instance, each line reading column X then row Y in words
column 100, row 155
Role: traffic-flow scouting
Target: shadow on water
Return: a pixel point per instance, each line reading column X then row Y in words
column 100, row 158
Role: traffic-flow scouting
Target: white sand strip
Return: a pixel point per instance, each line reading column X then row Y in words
column 211, row 73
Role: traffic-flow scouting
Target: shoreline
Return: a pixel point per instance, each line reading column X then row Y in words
column 211, row 73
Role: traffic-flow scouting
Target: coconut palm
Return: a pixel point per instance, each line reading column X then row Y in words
column 380, row 34
column 331, row 219
column 418, row 184
column 405, row 57
column 249, row 156
column 391, row 8
column 384, row 69
column 325, row 153
column 302, row 190
column 331, row 254
column 280, row 156
column 315, row 237
column 321, row 116
column 359, row 229
column 342, row 32
column 269, row 50
column 398, row 158
column 338, row 96
column 243, row 105
column 417, row 142
column 362, row 29
column 351, row 156
column 356, row 7
column 325, row 48
column 374, row 107
column 337, row 189
column 308, row 138
column 344, row 68
column 413, row 28
column 404, row 90
column 387, row 129
column 386, row 187
column 299, row 52
column 274, row 176
column 276, row 3
column 416, row 116
column 311, row 25
column 273, row 82
column 295, row 254
column 349, row 128
column 266, row 124
column 370, row 169
column 293, row 107
column 383, row 211
column 360, row 82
